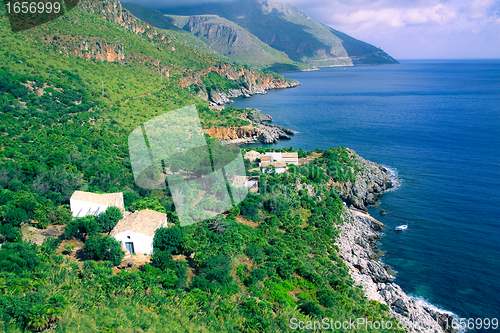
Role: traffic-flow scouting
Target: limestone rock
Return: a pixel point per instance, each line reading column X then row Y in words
column 370, row 183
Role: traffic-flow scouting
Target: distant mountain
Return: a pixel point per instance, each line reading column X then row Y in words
column 288, row 29
column 223, row 36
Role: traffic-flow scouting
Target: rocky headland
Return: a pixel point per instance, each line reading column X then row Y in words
column 357, row 243
column 260, row 130
column 249, row 87
column 371, row 182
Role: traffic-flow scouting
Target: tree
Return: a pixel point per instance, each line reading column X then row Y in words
column 108, row 220
column 114, row 214
column 167, row 239
column 107, row 248
column 217, row 225
column 148, row 203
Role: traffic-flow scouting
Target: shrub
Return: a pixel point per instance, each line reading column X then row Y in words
column 18, row 257
column 326, row 298
column 102, row 248
column 311, row 309
column 148, row 203
column 167, row 239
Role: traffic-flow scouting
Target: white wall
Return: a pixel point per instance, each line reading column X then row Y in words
column 289, row 160
column 275, row 156
column 82, row 207
column 142, row 243
column 280, row 170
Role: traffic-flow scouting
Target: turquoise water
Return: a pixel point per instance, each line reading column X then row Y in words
column 437, row 125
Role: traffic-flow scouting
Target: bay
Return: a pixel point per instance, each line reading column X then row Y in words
column 436, row 124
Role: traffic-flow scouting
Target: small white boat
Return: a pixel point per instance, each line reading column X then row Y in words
column 401, row 227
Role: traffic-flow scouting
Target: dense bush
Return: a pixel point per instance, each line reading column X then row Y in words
column 215, row 274
column 18, row 257
column 167, row 239
column 310, row 308
column 104, row 248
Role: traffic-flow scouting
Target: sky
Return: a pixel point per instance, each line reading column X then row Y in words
column 409, row 29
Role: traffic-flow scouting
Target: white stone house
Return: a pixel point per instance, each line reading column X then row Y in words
column 252, row 155
column 275, row 156
column 280, row 167
column 290, row 158
column 86, row 203
column 137, row 230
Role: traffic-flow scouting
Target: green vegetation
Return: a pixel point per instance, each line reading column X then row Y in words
column 59, row 133
column 104, row 248
column 213, row 81
column 241, row 278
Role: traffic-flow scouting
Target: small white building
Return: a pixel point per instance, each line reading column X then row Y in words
column 252, row 155
column 275, row 156
column 86, row 203
column 137, row 230
column 290, row 158
column 280, row 167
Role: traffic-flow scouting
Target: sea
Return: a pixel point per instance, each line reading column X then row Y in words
column 435, row 124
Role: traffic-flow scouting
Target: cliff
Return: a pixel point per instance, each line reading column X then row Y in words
column 230, row 40
column 251, row 83
column 259, row 131
column 370, row 183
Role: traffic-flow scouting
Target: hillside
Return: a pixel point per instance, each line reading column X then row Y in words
column 222, row 36
column 71, row 91
column 288, row 29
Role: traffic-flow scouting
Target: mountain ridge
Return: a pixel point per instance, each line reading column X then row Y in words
column 290, row 30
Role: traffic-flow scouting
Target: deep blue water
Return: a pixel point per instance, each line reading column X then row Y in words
column 437, row 123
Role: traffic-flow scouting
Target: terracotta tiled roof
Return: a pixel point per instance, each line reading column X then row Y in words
column 145, row 222
column 290, row 155
column 109, row 199
column 266, row 158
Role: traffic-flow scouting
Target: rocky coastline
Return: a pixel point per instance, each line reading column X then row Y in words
column 260, row 130
column 357, row 243
column 217, row 97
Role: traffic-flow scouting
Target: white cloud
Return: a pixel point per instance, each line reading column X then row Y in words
column 415, row 28
column 477, row 9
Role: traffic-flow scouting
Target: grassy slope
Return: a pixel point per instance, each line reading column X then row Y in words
column 121, row 83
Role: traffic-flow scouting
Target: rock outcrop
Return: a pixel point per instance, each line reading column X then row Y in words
column 371, row 182
column 357, row 243
column 251, row 82
column 232, row 133
column 259, row 131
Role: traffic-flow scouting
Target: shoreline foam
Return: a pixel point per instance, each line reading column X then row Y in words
column 357, row 242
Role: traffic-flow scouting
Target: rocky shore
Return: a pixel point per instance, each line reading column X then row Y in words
column 357, row 242
column 260, row 130
column 216, row 97
column 371, row 182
